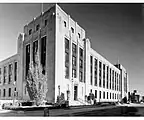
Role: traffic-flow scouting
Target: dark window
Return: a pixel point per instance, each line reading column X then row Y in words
column 74, row 61
column 100, row 67
column 35, row 50
column 95, row 93
column 72, row 29
column 30, row 31
column 4, row 74
column 37, row 27
column 100, row 94
column 66, row 58
column 103, row 75
column 15, row 71
column 10, row 74
column 4, row 92
column 9, row 94
column 107, row 95
column 27, row 58
column 74, row 73
column 81, row 63
column 81, row 52
column 66, row 72
column 74, row 50
column 78, row 35
column 107, row 77
column 95, row 72
column 91, row 70
column 113, row 79
column 65, row 24
column 110, row 78
column 110, row 95
column 43, row 53
column 80, row 76
column 0, row 75
column 46, row 21
column 103, row 95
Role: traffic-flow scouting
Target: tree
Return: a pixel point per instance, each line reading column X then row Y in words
column 36, row 81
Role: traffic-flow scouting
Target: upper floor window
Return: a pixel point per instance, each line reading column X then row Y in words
column 30, row 31
column 65, row 24
column 10, row 73
column 5, row 72
column 74, row 48
column 81, row 52
column 37, row 27
column 15, row 71
column 45, row 23
column 66, row 44
column 72, row 29
column 78, row 35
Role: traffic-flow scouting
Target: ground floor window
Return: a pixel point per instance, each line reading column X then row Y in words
column 75, row 92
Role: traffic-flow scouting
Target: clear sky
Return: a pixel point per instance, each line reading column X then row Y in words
column 116, row 31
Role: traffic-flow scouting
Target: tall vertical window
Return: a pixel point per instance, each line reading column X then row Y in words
column 72, row 29
column 0, row 76
column 110, row 95
column 107, row 95
column 110, row 78
column 10, row 74
column 91, row 70
column 66, row 58
column 100, row 74
column 4, row 92
column 103, row 75
column 74, row 60
column 100, row 94
column 27, row 58
column 103, row 95
column 43, row 53
column 95, row 93
column 115, row 81
column 81, row 65
column 15, row 71
column 107, row 77
column 65, row 24
column 46, row 21
column 35, row 50
column 0, row 92
column 95, row 72
column 9, row 92
column 119, row 82
column 5, row 74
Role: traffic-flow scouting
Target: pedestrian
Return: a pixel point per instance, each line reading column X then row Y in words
column 46, row 112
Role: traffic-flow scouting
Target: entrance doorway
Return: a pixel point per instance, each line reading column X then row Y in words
column 75, row 92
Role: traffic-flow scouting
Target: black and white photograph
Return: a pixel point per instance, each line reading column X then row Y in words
column 71, row 59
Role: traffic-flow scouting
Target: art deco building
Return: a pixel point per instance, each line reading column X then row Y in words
column 68, row 61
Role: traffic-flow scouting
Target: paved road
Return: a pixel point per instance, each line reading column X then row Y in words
column 138, row 110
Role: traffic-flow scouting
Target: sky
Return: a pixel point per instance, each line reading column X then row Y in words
column 116, row 31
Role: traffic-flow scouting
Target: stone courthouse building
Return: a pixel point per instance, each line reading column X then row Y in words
column 67, row 59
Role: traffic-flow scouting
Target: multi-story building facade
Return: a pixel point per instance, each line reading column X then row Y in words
column 67, row 59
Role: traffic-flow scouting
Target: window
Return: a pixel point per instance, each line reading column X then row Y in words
column 103, row 75
column 103, row 95
column 74, row 50
column 10, row 74
column 66, row 44
column 30, row 31
column 81, row 63
column 95, row 72
column 43, row 53
column 80, row 76
column 74, row 61
column 91, row 70
column 46, row 21
column 113, row 95
column 100, row 67
column 0, row 75
column 37, row 27
column 4, row 92
column 27, row 58
column 100, row 94
column 66, row 58
column 110, row 78
column 78, row 35
column 66, row 72
column 72, row 29
column 15, row 71
column 5, row 73
column 115, row 81
column 107, row 95
column 35, row 50
column 74, row 73
column 110, row 95
column 9, row 94
column 81, row 52
column 95, row 93
column 0, row 92
column 65, row 24
column 107, row 76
